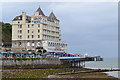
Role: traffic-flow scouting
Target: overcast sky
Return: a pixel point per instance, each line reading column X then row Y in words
column 87, row 27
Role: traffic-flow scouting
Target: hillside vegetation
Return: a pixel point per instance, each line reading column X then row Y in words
column 5, row 32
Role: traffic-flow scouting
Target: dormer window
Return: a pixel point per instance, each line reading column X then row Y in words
column 19, row 18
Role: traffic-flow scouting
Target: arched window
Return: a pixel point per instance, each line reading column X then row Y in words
column 28, row 43
column 33, row 44
column 38, row 44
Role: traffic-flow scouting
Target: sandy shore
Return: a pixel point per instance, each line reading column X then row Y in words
column 111, row 73
column 85, row 75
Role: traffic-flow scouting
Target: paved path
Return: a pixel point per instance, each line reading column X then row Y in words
column 53, row 76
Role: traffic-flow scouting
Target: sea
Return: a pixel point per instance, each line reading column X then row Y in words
column 107, row 63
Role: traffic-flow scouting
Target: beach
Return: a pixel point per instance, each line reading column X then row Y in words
column 51, row 73
column 113, row 73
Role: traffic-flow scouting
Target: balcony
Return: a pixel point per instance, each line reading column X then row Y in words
column 50, row 34
column 50, row 29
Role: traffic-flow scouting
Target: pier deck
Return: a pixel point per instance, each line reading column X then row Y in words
column 78, row 61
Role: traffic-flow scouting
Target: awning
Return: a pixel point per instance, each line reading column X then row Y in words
column 12, row 53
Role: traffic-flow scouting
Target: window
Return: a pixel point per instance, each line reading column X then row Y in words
column 33, row 44
column 19, row 37
column 49, row 44
column 32, row 25
column 19, row 31
column 19, row 18
column 38, row 36
column 20, row 43
column 45, row 20
column 28, row 36
column 28, row 43
column 38, row 25
column 28, row 25
column 20, row 26
column 15, row 44
column 38, row 44
column 32, row 36
column 18, row 22
column 38, row 31
column 28, row 31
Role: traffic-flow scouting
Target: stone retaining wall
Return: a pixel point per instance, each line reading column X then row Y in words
column 8, row 63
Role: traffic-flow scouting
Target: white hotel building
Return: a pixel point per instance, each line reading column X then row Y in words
column 38, row 30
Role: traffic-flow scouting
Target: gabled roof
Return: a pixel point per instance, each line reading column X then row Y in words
column 18, row 18
column 28, row 18
column 40, row 11
column 52, row 17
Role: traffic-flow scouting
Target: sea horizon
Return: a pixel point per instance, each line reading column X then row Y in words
column 107, row 63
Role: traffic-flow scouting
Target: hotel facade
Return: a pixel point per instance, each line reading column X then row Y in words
column 38, row 30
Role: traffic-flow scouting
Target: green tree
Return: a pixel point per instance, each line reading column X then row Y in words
column 6, row 32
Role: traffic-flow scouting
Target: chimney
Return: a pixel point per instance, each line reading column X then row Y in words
column 24, row 17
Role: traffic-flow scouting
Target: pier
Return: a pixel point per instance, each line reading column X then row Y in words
column 78, row 61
